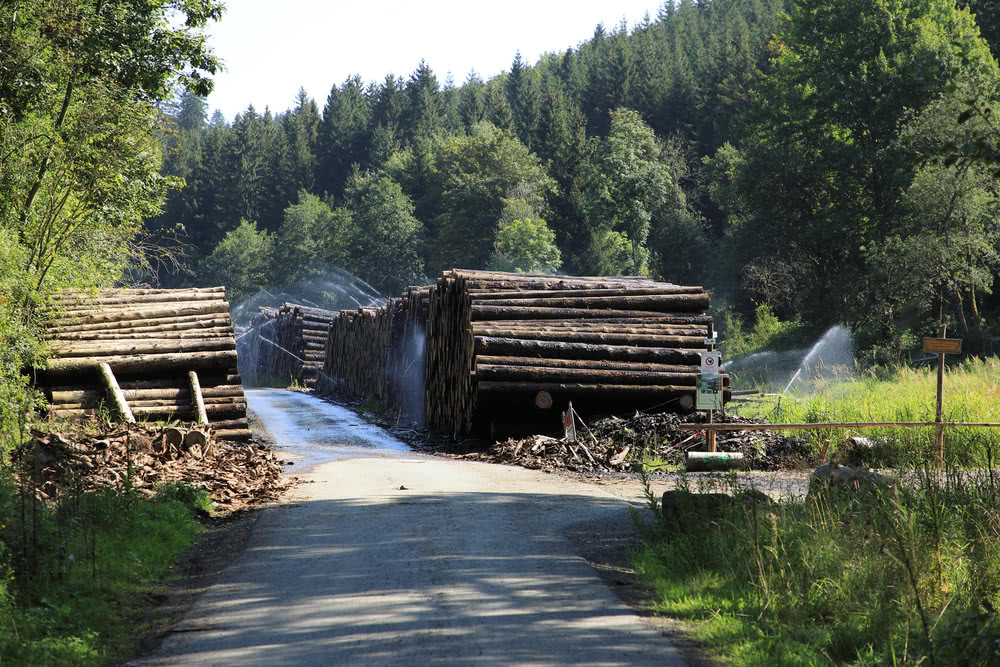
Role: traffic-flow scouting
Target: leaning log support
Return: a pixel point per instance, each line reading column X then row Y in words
column 115, row 393
column 196, row 398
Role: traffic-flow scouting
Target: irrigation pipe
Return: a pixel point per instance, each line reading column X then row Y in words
column 809, row 427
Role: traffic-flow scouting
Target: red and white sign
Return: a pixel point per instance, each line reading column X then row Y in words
column 710, row 362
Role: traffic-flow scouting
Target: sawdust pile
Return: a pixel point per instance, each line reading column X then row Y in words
column 143, row 457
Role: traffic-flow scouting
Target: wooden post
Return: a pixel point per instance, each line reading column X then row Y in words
column 711, row 435
column 939, row 429
column 196, row 398
column 115, row 392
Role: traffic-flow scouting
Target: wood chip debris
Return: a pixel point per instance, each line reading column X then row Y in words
column 618, row 444
column 145, row 457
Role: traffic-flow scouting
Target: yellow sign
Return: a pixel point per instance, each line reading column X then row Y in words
column 943, row 345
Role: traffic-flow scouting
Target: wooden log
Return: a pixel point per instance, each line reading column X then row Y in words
column 197, row 399
column 175, row 393
column 138, row 347
column 163, row 334
column 148, row 363
column 163, row 411
column 117, row 298
column 230, row 423
column 183, row 323
column 234, row 434
column 539, row 313
column 662, row 303
column 598, row 364
column 72, row 292
column 563, row 389
column 115, row 393
column 585, row 326
column 130, row 314
column 481, row 295
column 513, row 347
column 635, row 340
column 583, row 375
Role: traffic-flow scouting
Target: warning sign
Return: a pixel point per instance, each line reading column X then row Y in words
column 710, row 362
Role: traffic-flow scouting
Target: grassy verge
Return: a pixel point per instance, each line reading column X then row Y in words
column 971, row 394
column 76, row 567
column 902, row 575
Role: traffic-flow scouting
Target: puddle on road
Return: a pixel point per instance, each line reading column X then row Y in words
column 317, row 431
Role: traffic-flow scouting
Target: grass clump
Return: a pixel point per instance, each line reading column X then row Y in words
column 903, row 574
column 76, row 566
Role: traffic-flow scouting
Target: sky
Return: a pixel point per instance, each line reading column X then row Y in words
column 271, row 49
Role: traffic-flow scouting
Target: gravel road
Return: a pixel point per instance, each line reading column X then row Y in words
column 397, row 558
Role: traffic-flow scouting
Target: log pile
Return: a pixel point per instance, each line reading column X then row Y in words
column 502, row 348
column 285, row 345
column 146, row 354
column 378, row 353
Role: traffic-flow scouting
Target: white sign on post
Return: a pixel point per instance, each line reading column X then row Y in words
column 709, row 392
column 710, row 362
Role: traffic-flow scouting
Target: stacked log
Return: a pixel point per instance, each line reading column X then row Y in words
column 506, row 346
column 501, row 346
column 148, row 341
column 285, row 345
column 378, row 353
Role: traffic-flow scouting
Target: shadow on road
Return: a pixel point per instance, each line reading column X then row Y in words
column 410, row 578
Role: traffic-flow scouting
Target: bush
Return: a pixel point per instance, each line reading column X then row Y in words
column 194, row 499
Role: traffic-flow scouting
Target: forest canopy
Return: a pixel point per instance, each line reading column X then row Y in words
column 831, row 160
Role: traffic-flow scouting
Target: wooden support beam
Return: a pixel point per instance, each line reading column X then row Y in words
column 115, row 393
column 196, row 398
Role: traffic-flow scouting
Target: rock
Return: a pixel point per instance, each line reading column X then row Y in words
column 845, row 478
column 683, row 509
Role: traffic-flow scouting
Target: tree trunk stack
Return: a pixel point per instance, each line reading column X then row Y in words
column 285, row 345
column 502, row 347
column 377, row 353
column 147, row 341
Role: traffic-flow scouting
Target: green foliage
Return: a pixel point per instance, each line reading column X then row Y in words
column 768, row 333
column 241, row 261
column 385, row 238
column 194, row 499
column 830, row 149
column 76, row 562
column 896, row 576
column 526, row 246
column 903, row 394
column 476, row 175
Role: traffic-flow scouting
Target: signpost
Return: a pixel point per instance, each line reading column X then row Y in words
column 941, row 346
column 708, row 394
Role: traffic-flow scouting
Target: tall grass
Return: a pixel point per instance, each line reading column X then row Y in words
column 907, row 574
column 971, row 394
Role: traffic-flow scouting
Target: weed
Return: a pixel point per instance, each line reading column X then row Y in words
column 905, row 575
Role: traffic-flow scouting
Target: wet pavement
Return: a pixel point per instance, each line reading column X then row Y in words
column 314, row 431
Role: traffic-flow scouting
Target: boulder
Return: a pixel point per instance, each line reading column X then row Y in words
column 846, row 479
column 683, row 509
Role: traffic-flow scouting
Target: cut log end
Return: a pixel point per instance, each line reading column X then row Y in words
column 543, row 400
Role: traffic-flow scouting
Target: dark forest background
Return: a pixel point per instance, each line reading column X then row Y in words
column 827, row 161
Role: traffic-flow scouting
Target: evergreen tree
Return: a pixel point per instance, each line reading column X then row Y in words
column 523, row 95
column 343, row 134
column 472, row 102
column 425, row 115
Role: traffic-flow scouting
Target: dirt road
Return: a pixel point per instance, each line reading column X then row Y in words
column 395, row 558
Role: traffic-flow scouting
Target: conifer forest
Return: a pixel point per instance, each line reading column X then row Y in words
column 835, row 161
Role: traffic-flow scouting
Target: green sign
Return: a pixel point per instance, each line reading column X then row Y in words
column 709, row 394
